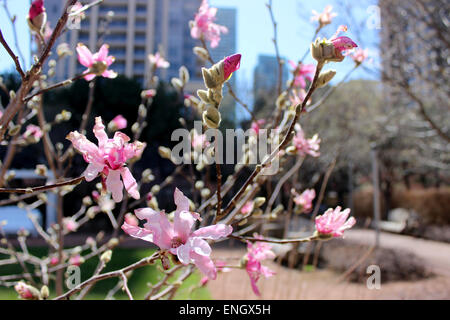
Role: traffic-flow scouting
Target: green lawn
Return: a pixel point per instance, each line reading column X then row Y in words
column 138, row 283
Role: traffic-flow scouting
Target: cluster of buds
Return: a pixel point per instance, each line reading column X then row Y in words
column 215, row 77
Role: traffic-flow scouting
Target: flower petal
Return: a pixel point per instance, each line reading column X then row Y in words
column 114, row 185
column 92, row 171
column 215, row 232
column 99, row 132
column 138, row 232
column 159, row 225
column 205, row 264
column 85, row 56
column 130, row 183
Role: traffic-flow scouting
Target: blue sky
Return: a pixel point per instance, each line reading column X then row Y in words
column 255, row 30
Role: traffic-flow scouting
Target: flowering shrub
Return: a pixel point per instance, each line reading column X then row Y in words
column 185, row 237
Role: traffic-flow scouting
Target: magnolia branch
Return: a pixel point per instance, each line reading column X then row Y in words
column 13, row 56
column 43, row 188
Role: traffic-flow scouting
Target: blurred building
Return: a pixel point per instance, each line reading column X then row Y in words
column 265, row 75
column 138, row 28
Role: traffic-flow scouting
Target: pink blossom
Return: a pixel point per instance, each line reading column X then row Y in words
column 342, row 43
column 37, row 17
column 204, row 27
column 302, row 72
column 257, row 125
column 109, row 158
column 177, row 237
column 199, row 141
column 118, row 123
column 324, row 17
column 76, row 260
column 54, row 260
column 70, row 224
column 231, row 64
column 305, row 199
column 157, row 61
column 256, row 253
column 221, row 267
column 24, row 291
column 248, row 207
column 33, row 131
column 76, row 13
column 147, row 94
column 334, row 222
column 96, row 63
column 131, row 220
column 306, row 146
column 360, row 55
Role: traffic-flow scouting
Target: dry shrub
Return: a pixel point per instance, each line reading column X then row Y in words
column 395, row 265
column 432, row 205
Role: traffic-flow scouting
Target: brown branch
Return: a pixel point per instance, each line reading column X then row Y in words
column 277, row 241
column 43, row 188
column 277, row 50
column 284, row 143
column 113, row 274
column 13, row 56
column 55, row 86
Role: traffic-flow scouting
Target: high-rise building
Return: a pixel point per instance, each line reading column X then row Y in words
column 138, row 28
column 265, row 76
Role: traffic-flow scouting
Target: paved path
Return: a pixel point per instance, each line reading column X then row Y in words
column 323, row 284
column 436, row 254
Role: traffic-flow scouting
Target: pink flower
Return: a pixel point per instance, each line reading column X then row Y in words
column 109, row 158
column 199, row 141
column 255, row 254
column 305, row 199
column 131, row 220
column 33, row 131
column 334, row 222
column 342, row 43
column 147, row 94
column 96, row 63
column 25, row 291
column 54, row 261
column 204, row 26
column 302, row 72
column 231, row 64
column 221, row 267
column 70, row 224
column 177, row 237
column 256, row 125
column 248, row 207
column 37, row 17
column 360, row 55
column 306, row 146
column 324, row 17
column 76, row 13
column 76, row 260
column 157, row 61
column 118, row 123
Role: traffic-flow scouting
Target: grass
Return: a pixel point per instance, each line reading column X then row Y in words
column 138, row 283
